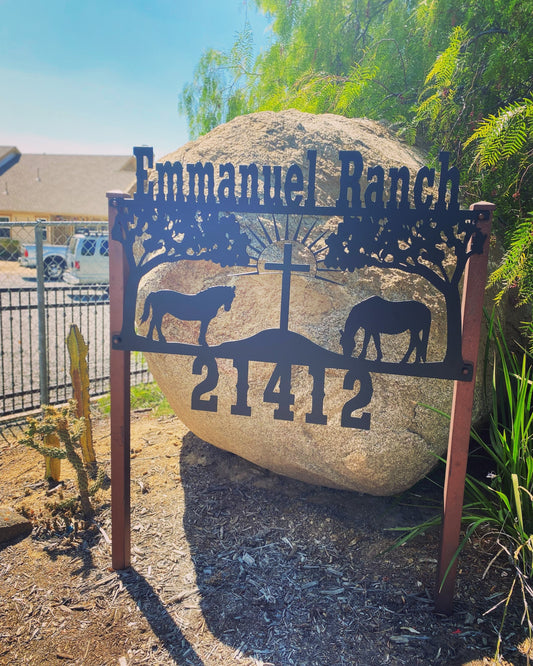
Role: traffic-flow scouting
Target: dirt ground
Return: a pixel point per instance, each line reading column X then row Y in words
column 232, row 564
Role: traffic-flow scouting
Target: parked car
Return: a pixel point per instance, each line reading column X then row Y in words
column 54, row 259
column 87, row 259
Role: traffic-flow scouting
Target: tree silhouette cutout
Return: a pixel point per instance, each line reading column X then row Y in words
column 152, row 235
column 432, row 245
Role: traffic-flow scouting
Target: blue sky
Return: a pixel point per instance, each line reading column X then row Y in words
column 101, row 76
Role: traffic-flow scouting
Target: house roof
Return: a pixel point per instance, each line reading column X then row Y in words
column 71, row 186
column 9, row 155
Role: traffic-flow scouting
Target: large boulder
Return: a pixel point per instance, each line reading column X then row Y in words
column 405, row 436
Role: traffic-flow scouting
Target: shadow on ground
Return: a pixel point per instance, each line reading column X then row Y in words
column 291, row 573
column 160, row 620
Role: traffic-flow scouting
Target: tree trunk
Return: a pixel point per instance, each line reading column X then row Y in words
column 454, row 356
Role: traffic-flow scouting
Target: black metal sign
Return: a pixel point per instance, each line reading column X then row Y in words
column 202, row 212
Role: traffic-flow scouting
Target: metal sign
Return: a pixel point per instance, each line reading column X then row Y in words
column 211, row 221
column 251, row 218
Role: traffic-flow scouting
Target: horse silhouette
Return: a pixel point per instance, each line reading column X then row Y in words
column 202, row 307
column 376, row 316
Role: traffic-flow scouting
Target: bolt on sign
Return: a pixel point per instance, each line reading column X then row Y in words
column 407, row 222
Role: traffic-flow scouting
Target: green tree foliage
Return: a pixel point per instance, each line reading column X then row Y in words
column 217, row 92
column 440, row 72
column 485, row 65
column 506, row 134
column 437, row 67
column 340, row 56
column 508, row 138
column 437, row 105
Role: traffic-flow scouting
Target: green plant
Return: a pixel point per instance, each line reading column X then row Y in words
column 63, row 422
column 516, row 269
column 505, row 502
column 506, row 140
column 505, row 134
column 502, row 503
column 142, row 396
column 437, row 104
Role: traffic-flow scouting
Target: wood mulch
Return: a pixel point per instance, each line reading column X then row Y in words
column 232, row 564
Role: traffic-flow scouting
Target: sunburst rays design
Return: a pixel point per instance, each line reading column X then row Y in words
column 303, row 232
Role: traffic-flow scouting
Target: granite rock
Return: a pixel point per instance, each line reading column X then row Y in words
column 405, row 436
column 12, row 524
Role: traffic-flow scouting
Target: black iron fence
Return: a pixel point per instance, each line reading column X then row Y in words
column 34, row 330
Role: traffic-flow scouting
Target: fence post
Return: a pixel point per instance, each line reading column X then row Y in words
column 52, row 465
column 41, row 313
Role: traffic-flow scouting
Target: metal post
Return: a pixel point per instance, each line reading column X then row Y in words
column 463, row 399
column 120, row 398
column 41, row 314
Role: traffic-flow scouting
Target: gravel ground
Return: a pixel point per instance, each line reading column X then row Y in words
column 232, row 564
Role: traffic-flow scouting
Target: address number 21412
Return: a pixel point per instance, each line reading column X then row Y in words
column 278, row 392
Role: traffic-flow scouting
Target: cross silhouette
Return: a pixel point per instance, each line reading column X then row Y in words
column 287, row 267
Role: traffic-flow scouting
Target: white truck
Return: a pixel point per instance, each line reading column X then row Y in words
column 87, row 259
column 54, row 259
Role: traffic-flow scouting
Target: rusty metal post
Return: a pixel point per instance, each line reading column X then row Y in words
column 461, row 420
column 120, row 398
